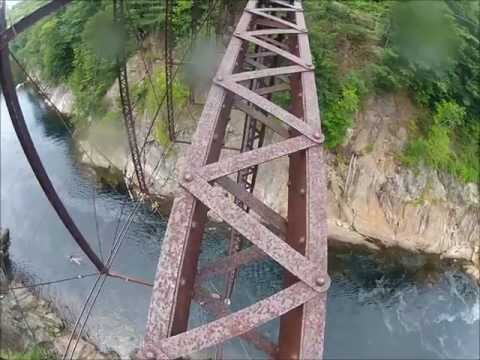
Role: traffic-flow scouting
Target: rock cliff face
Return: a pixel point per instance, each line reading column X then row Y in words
column 372, row 199
column 28, row 320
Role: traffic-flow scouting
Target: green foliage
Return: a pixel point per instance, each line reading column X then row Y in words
column 340, row 116
column 445, row 148
column 146, row 16
column 433, row 51
column 449, row 114
column 148, row 96
column 343, row 82
column 427, row 47
column 95, row 63
column 282, row 99
column 36, row 353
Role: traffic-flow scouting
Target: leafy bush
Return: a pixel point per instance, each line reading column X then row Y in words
column 340, row 115
column 35, row 353
column 343, row 80
column 445, row 148
column 149, row 94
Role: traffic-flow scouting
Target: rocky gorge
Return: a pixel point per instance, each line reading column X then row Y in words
column 373, row 200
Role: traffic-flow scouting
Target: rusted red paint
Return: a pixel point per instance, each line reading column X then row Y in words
column 275, row 31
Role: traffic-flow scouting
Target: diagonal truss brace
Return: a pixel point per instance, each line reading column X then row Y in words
column 126, row 105
column 298, row 243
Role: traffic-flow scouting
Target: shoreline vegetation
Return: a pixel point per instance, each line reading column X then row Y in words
column 360, row 48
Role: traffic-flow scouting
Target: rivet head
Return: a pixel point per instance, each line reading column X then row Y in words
column 150, row 355
column 194, row 224
column 317, row 135
column 302, row 191
column 302, row 239
column 183, row 282
column 219, row 78
column 215, row 136
column 187, row 177
column 320, row 281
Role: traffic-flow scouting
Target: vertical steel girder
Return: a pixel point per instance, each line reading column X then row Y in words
column 168, row 46
column 127, row 106
column 266, row 30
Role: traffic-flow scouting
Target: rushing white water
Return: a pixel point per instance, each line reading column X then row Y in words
column 379, row 306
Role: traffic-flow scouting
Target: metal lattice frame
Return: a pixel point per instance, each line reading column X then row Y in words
column 299, row 245
column 127, row 106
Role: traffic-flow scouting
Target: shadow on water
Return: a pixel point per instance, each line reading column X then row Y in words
column 390, row 306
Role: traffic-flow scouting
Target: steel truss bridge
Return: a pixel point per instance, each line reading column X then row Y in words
column 268, row 53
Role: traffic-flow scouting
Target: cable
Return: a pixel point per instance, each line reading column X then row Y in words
column 209, row 11
column 42, row 93
column 87, row 300
column 3, row 268
column 99, row 242
column 115, row 247
column 78, row 277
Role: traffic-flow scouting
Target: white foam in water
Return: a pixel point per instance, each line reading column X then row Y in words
column 472, row 314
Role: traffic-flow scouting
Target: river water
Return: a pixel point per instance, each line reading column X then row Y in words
column 390, row 306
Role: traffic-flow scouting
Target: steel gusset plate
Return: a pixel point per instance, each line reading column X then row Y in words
column 297, row 243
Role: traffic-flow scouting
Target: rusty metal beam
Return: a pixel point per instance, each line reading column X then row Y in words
column 127, row 110
column 218, row 308
column 269, row 215
column 268, row 121
column 300, row 245
column 222, row 265
column 23, row 24
column 18, row 122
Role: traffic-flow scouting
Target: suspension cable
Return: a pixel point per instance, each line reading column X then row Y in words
column 52, row 282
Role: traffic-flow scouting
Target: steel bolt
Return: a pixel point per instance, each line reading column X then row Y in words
column 183, row 282
column 187, row 177
column 150, row 355
column 320, row 281
column 302, row 239
column 302, row 191
column 194, row 224
column 317, row 135
column 215, row 137
column 219, row 78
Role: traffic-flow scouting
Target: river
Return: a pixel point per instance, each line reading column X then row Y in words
column 389, row 306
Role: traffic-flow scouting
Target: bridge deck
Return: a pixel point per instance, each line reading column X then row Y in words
column 274, row 34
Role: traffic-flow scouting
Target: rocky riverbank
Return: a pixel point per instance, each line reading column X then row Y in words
column 27, row 320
